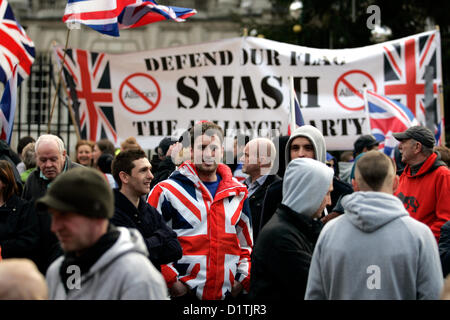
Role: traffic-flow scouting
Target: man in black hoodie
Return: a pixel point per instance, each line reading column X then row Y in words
column 131, row 170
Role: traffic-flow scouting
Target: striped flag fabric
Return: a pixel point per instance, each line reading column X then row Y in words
column 109, row 16
column 296, row 115
column 385, row 117
column 16, row 48
column 8, row 107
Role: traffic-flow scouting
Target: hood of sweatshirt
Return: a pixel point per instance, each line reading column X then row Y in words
column 305, row 184
column 369, row 211
column 316, row 138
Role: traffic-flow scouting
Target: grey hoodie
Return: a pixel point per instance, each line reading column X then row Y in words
column 316, row 138
column 375, row 251
column 305, row 184
column 123, row 272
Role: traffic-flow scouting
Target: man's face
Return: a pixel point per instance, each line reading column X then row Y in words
column 207, row 153
column 325, row 202
column 301, row 147
column 141, row 176
column 407, row 148
column 50, row 160
column 250, row 159
column 73, row 231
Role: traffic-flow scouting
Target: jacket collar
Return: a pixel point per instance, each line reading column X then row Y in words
column 432, row 163
column 308, row 226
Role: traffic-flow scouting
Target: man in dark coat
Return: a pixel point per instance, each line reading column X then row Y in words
column 282, row 254
column 258, row 160
column 131, row 170
column 51, row 160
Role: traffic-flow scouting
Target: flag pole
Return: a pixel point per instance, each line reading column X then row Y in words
column 292, row 105
column 366, row 109
column 441, row 99
column 72, row 114
column 59, row 82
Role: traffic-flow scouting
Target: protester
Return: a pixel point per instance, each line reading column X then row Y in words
column 23, row 142
column 19, row 230
column 131, row 169
column 258, row 160
column 165, row 166
column 83, row 151
column 6, row 153
column 345, row 165
column 282, row 253
column 52, row 160
column 375, row 250
column 444, row 248
column 100, row 262
column 102, row 146
column 208, row 210
column 104, row 164
column 21, row 280
column 424, row 186
column 29, row 160
column 130, row 143
column 444, row 152
column 363, row 144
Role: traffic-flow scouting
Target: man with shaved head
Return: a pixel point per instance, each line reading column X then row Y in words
column 375, row 251
column 258, row 159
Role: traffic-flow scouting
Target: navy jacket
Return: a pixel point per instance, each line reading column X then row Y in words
column 161, row 241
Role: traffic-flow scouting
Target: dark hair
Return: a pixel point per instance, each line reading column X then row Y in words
column 104, row 162
column 208, row 128
column 23, row 142
column 124, row 162
column 7, row 177
column 106, row 146
column 374, row 167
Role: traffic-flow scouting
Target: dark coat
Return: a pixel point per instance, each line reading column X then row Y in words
column 444, row 248
column 163, row 171
column 161, row 241
column 19, row 230
column 282, row 256
column 256, row 202
column 48, row 246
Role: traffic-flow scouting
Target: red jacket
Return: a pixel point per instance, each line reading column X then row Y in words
column 426, row 195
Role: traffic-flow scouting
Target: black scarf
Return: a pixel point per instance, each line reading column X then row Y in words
column 89, row 257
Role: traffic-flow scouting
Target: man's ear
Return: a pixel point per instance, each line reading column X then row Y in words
column 355, row 185
column 123, row 177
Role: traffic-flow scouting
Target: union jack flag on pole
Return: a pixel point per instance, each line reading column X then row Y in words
column 109, row 16
column 16, row 48
column 385, row 117
column 8, row 107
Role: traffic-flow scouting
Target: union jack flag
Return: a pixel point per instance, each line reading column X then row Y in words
column 108, row 16
column 404, row 70
column 8, row 107
column 88, row 80
column 15, row 46
column 214, row 232
column 297, row 119
column 385, row 117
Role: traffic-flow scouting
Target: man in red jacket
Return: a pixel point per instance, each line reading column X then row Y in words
column 424, row 186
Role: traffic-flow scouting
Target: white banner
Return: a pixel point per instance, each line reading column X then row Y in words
column 243, row 84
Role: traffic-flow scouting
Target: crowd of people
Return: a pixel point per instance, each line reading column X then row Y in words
column 283, row 220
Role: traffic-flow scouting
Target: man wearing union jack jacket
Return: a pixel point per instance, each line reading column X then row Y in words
column 208, row 210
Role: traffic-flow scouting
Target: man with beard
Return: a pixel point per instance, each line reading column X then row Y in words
column 207, row 208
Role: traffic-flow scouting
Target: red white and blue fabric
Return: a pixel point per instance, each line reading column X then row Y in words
column 8, row 107
column 404, row 70
column 215, row 234
column 15, row 46
column 385, row 117
column 299, row 120
column 88, row 80
column 108, row 16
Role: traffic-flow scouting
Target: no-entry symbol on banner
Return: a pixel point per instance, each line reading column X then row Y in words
column 140, row 93
column 349, row 89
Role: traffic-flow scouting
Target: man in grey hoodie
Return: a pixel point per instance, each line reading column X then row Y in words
column 375, row 250
column 283, row 250
column 100, row 262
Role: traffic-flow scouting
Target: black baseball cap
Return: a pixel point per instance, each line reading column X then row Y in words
column 418, row 133
column 364, row 141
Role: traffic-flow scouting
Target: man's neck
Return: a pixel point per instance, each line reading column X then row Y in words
column 130, row 195
column 254, row 177
column 208, row 177
column 417, row 160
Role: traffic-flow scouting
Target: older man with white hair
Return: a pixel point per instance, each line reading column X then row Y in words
column 258, row 160
column 51, row 161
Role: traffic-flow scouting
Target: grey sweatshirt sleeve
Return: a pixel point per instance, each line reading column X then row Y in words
column 429, row 277
column 314, row 287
